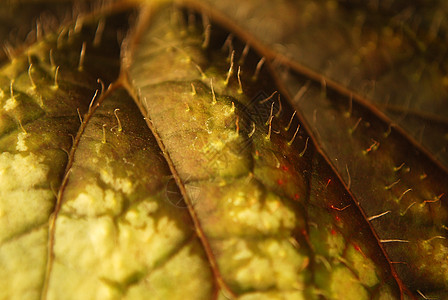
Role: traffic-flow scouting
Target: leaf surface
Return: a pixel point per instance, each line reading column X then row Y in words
column 131, row 240
column 268, row 166
column 260, row 200
column 392, row 55
column 43, row 97
column 375, row 158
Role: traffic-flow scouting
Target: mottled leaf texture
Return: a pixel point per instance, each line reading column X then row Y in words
column 223, row 150
column 24, row 23
column 261, row 201
column 44, row 93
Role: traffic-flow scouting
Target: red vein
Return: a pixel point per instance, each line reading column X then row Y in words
column 145, row 19
column 320, row 150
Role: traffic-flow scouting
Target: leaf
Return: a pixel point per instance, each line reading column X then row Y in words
column 43, row 97
column 251, row 189
column 252, row 178
column 390, row 54
column 370, row 153
column 115, row 207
